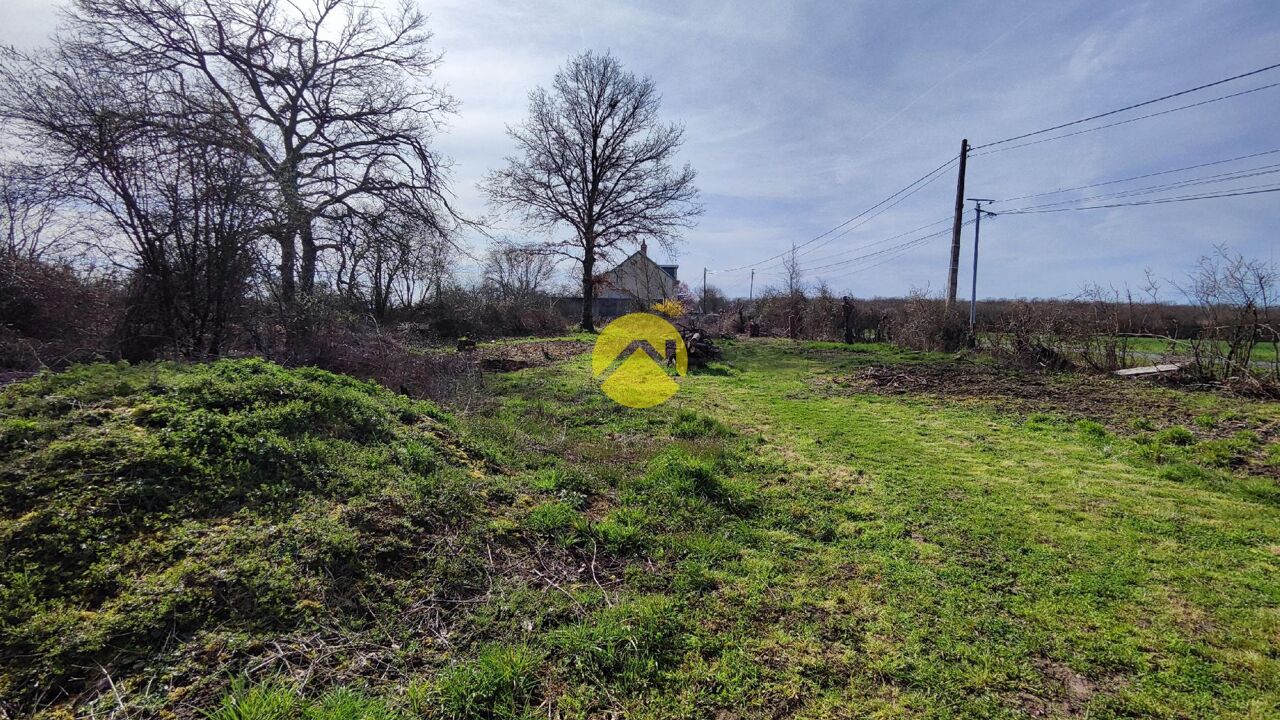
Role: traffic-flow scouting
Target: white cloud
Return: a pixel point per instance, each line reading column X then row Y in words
column 799, row 115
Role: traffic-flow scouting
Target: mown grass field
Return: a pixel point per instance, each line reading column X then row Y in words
column 1263, row 353
column 776, row 541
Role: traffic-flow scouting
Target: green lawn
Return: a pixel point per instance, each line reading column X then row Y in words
column 767, row 544
column 1265, row 352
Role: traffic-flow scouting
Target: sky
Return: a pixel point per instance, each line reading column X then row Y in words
column 800, row 115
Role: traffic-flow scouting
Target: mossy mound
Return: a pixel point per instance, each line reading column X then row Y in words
column 154, row 515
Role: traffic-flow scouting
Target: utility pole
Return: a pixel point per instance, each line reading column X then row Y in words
column 703, row 300
column 954, row 271
column 751, row 293
column 973, row 291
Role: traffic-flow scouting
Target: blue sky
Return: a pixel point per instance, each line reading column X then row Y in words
column 800, row 115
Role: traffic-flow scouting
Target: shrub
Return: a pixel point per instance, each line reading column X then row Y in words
column 50, row 316
column 670, row 307
column 926, row 324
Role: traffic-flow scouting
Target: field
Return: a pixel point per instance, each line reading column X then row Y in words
column 806, row 530
column 1263, row 353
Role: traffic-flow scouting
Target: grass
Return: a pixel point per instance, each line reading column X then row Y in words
column 754, row 548
column 1263, row 353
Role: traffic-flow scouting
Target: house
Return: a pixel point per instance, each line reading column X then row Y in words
column 638, row 278
column 632, row 285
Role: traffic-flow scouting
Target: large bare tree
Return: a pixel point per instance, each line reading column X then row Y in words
column 594, row 159
column 330, row 99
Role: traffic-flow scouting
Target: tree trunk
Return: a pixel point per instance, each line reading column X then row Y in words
column 588, row 288
column 307, row 272
column 288, row 260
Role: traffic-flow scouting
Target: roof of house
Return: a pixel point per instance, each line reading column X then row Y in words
column 639, row 275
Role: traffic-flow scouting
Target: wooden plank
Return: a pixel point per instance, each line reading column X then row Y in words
column 1149, row 370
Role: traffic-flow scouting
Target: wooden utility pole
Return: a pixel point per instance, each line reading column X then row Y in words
column 953, row 275
column 751, row 293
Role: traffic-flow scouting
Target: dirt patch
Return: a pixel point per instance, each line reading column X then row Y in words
column 1114, row 402
column 1070, row 692
column 518, row 356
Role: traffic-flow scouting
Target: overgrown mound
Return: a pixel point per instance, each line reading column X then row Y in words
column 167, row 515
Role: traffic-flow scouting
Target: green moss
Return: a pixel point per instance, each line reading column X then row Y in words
column 146, row 502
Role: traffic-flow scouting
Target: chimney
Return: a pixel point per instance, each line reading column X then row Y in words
column 644, row 248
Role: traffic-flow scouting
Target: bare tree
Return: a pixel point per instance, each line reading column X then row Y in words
column 185, row 212
column 31, row 226
column 327, row 98
column 792, row 273
column 385, row 257
column 793, row 289
column 1236, row 296
column 518, row 274
column 594, row 157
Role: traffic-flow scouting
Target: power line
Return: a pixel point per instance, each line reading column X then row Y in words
column 865, row 245
column 909, row 243
column 851, row 228
column 916, row 182
column 1130, row 107
column 1164, row 187
column 1126, row 122
column 869, row 218
column 1161, row 201
column 1140, row 177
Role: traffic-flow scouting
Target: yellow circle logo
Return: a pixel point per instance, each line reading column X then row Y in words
column 631, row 356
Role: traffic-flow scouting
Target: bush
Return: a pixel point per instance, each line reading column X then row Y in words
column 50, row 316
column 925, row 324
column 670, row 307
